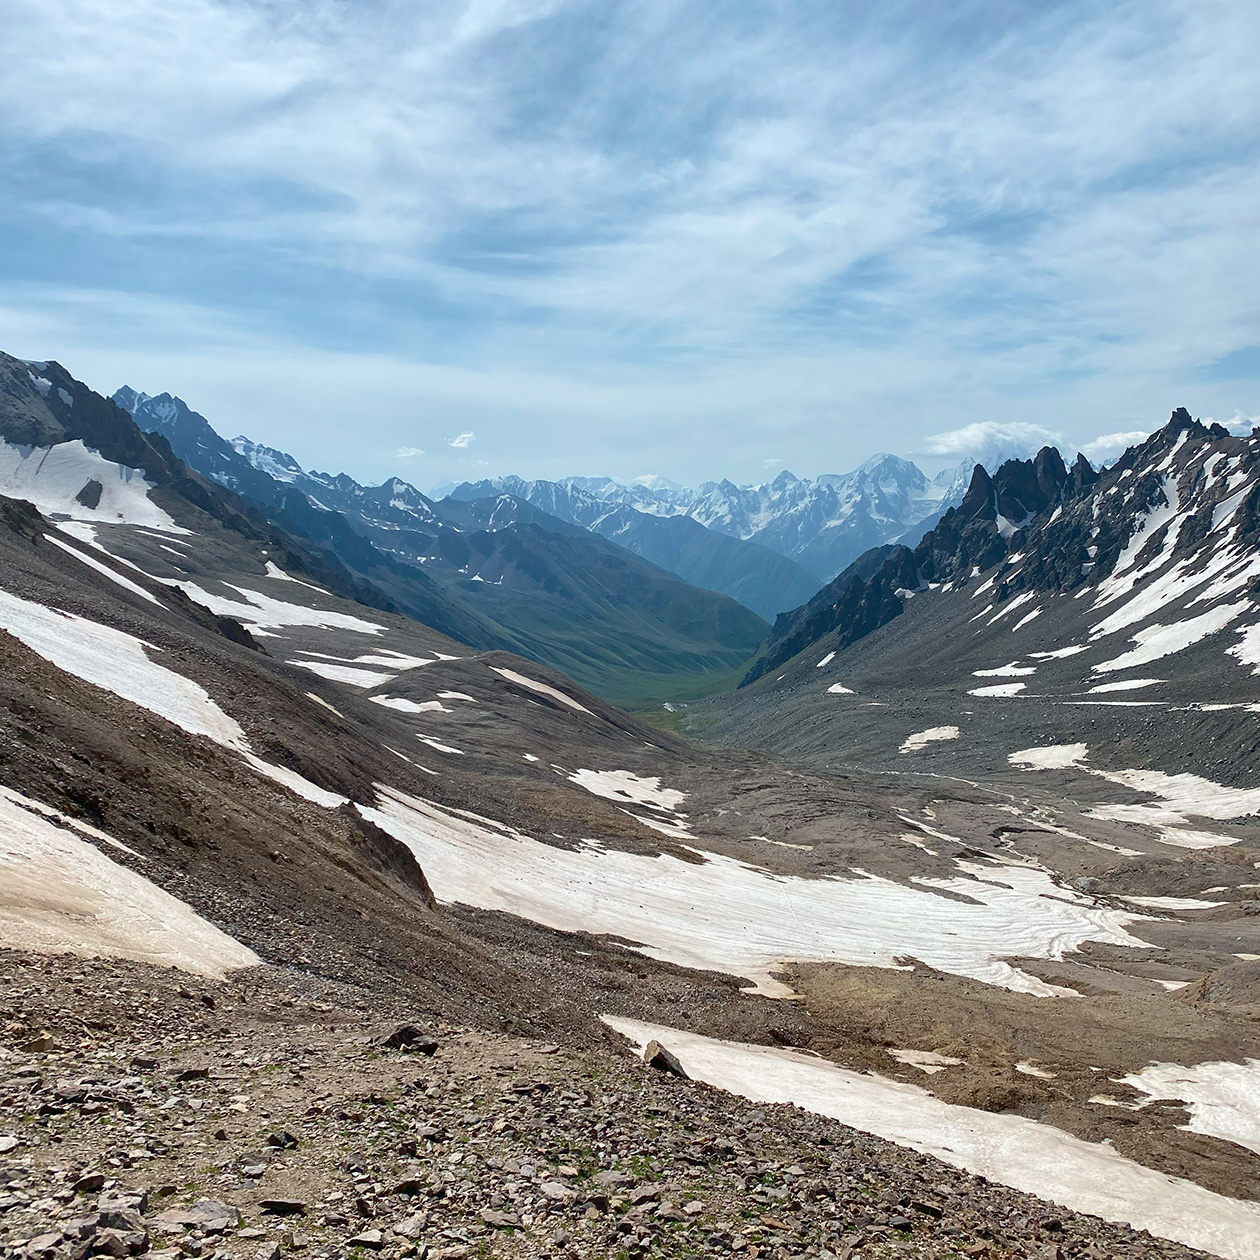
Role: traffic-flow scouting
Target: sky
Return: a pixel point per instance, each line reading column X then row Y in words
column 696, row 239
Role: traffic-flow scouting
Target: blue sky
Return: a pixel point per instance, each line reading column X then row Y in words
column 697, row 239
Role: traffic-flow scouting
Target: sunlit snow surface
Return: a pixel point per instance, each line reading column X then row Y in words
column 1183, row 796
column 1224, row 1098
column 256, row 610
column 540, row 687
column 1009, row 1149
column 921, row 739
column 51, row 477
column 93, row 563
column 684, row 912
column 120, row 663
column 58, row 893
column 622, row 785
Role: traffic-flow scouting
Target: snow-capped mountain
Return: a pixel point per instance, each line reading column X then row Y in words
column 499, row 572
column 1122, row 604
column 823, row 523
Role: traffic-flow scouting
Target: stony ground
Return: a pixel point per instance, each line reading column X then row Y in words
column 144, row 1113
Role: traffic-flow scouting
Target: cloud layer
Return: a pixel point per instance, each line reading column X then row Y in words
column 695, row 236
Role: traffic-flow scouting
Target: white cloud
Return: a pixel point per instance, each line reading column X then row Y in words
column 1046, row 218
column 408, row 452
column 462, row 441
column 1109, row 446
column 990, row 442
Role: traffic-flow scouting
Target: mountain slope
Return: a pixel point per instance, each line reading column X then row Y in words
column 492, row 574
column 337, row 820
column 1054, row 606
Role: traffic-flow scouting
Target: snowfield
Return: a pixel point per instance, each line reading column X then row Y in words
column 52, row 476
column 1023, row 1154
column 730, row 916
column 61, row 894
column 1184, row 796
column 1224, row 1098
column 120, row 663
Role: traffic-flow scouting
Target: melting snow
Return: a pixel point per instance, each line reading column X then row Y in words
column 52, row 476
column 1172, row 903
column 1224, row 1098
column 119, row 662
column 839, row 689
column 1184, row 796
column 1013, row 670
column 1011, row 1150
column 928, row 1061
column 351, row 675
column 681, row 911
column 921, row 739
column 1051, row 757
column 262, row 610
column 1156, row 642
column 1129, row 684
column 60, row 894
column 622, row 785
column 826, row 660
column 126, row 583
column 541, row 688
column 1000, row 689
column 1058, row 653
column 403, row 705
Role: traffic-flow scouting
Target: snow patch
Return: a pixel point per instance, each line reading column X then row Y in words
column 681, row 911
column 52, row 477
column 623, row 785
column 1129, row 684
column 826, row 660
column 1223, row 1098
column 1014, row 1151
column 60, row 894
column 541, row 688
column 921, row 739
column 999, row 689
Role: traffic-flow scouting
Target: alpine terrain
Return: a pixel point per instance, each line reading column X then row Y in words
column 343, row 912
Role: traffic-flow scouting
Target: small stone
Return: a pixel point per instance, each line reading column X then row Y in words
column 409, row 1037
column 7, row 1143
column 656, row 1056
column 500, row 1220
column 284, row 1141
column 89, row 1183
column 368, row 1238
column 120, row 1242
column 193, row 1074
column 555, row 1191
column 43, row 1245
column 282, row 1207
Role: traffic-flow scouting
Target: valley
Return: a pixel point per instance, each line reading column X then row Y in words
column 943, row 924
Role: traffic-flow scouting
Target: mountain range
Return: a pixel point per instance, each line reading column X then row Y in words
column 325, row 929
column 823, row 524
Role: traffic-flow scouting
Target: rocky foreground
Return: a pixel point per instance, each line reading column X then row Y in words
column 145, row 1113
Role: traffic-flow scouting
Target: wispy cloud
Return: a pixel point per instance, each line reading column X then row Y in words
column 462, row 441
column 851, row 226
column 408, row 452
